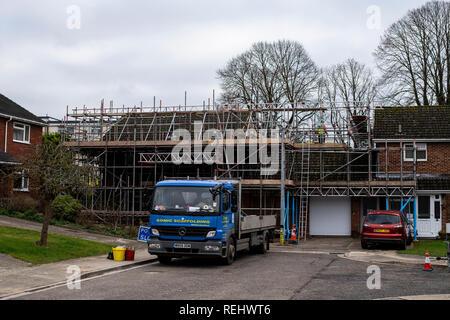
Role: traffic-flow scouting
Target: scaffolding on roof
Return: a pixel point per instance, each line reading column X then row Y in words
column 132, row 150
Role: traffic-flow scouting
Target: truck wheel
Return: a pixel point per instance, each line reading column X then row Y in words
column 164, row 260
column 263, row 247
column 231, row 253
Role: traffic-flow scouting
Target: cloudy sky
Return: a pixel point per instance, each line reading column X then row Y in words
column 55, row 53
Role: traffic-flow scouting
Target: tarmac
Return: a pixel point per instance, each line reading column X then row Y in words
column 17, row 277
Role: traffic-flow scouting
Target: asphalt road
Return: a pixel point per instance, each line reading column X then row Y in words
column 276, row 275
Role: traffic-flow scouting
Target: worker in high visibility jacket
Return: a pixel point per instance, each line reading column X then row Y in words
column 321, row 131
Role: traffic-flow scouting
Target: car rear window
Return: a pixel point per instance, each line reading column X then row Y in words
column 383, row 219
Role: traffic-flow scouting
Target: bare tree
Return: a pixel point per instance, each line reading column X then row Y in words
column 351, row 82
column 414, row 57
column 53, row 170
column 353, row 86
column 275, row 73
column 278, row 72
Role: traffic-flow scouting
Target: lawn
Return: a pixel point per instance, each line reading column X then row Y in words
column 21, row 244
column 436, row 248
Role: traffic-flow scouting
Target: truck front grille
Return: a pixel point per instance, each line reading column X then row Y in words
column 199, row 232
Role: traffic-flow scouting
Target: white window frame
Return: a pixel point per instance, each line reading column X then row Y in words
column 420, row 146
column 22, row 127
column 23, row 178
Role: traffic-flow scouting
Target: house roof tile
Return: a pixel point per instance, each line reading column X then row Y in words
column 10, row 108
column 7, row 159
column 425, row 122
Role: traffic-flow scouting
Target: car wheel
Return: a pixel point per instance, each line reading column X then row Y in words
column 403, row 245
column 364, row 244
column 410, row 240
column 164, row 260
column 231, row 253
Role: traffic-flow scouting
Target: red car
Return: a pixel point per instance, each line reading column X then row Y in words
column 386, row 226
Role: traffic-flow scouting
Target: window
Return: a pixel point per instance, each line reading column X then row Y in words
column 421, row 151
column 183, row 200
column 382, row 219
column 437, row 207
column 369, row 204
column 424, row 207
column 21, row 181
column 226, row 201
column 21, row 133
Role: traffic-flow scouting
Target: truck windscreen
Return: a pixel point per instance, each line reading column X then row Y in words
column 191, row 200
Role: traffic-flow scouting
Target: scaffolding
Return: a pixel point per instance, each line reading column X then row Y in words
column 132, row 149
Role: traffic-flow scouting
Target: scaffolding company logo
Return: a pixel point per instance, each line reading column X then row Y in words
column 228, row 147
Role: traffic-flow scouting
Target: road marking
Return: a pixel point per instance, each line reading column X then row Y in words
column 306, row 252
column 64, row 283
column 420, row 297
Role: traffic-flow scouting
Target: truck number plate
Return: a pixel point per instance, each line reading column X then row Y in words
column 182, row 245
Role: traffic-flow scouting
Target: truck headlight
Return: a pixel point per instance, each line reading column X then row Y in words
column 211, row 234
column 154, row 246
column 155, row 232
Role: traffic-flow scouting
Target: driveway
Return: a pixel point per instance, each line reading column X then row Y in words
column 329, row 244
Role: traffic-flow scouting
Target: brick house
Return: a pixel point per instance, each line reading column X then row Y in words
column 20, row 130
column 420, row 137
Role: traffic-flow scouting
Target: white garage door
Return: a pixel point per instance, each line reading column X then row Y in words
column 330, row 216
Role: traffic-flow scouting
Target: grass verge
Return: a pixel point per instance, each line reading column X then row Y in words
column 436, row 248
column 21, row 244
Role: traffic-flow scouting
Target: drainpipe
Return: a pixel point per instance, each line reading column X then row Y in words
column 415, row 218
column 6, row 133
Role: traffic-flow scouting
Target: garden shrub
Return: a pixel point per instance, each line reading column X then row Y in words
column 66, row 208
column 22, row 203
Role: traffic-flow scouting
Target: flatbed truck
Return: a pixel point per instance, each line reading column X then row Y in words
column 203, row 218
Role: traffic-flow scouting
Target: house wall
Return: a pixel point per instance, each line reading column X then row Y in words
column 355, row 208
column 437, row 155
column 16, row 149
column 6, row 184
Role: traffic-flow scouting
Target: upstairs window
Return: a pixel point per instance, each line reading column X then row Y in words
column 421, row 151
column 21, row 133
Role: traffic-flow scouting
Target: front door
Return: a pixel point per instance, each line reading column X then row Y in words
column 429, row 216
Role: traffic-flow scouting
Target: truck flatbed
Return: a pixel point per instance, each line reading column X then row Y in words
column 257, row 223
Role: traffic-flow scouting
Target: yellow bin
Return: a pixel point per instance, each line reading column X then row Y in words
column 119, row 254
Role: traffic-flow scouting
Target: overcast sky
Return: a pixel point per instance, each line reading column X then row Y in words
column 130, row 51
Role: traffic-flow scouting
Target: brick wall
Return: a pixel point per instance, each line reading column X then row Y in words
column 16, row 149
column 19, row 150
column 438, row 154
column 355, row 216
